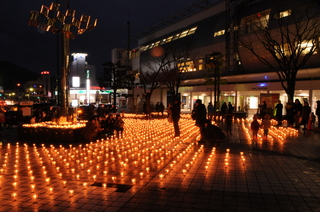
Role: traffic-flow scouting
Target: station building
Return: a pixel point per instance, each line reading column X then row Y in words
column 218, row 26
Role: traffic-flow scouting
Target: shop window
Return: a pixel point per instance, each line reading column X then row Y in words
column 219, row 33
column 255, row 22
column 283, row 14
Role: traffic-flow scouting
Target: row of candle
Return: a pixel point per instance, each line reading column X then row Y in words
column 146, row 148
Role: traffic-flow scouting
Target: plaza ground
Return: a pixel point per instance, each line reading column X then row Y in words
column 150, row 170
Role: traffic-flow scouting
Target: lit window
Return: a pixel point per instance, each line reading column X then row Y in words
column 255, row 22
column 156, row 43
column 192, row 30
column 283, row 14
column 219, row 33
column 163, row 41
column 307, row 47
column 176, row 36
column 184, row 34
column 169, row 39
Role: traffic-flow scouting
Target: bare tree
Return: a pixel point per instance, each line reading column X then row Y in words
column 286, row 41
column 177, row 67
column 151, row 79
column 213, row 62
column 116, row 77
column 164, row 66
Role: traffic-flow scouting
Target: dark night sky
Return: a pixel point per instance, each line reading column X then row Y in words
column 31, row 48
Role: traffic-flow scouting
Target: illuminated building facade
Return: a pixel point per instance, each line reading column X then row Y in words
column 83, row 86
column 219, row 27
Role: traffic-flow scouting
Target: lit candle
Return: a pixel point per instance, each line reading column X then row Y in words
column 71, row 193
column 161, row 176
column 35, row 197
column 184, row 171
column 84, row 185
column 14, row 195
column 48, row 180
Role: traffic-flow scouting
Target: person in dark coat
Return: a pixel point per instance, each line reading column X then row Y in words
column 279, row 108
column 211, row 111
column 161, row 108
column 213, row 134
column 229, row 117
column 175, row 109
column 224, row 108
column 290, row 113
column 90, row 130
column 297, row 111
column 200, row 114
column 263, row 109
column 318, row 112
column 305, row 115
column 108, row 125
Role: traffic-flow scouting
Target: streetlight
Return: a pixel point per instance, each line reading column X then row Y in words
column 68, row 26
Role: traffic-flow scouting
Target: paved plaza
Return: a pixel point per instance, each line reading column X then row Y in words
column 150, row 170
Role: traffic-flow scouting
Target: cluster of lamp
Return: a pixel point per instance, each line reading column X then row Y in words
column 274, row 133
column 61, row 125
column 51, row 19
column 147, row 150
column 147, row 146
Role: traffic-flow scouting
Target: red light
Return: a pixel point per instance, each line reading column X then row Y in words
column 258, row 15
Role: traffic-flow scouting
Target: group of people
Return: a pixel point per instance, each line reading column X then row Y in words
column 297, row 114
column 103, row 127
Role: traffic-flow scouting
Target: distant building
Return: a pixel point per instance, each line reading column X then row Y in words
column 84, row 88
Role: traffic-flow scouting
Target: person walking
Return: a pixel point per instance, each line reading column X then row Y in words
column 297, row 111
column 255, row 126
column 229, row 117
column 108, row 125
column 263, row 109
column 290, row 113
column 224, row 108
column 279, row 108
column 118, row 125
column 200, row 115
column 175, row 114
column 2, row 119
column 230, row 108
column 158, row 108
column 211, row 111
column 318, row 112
column 266, row 124
column 305, row 115
column 161, row 108
column 90, row 130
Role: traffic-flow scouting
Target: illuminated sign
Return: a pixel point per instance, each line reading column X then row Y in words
column 76, row 82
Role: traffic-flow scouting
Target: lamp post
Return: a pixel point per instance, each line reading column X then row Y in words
column 68, row 26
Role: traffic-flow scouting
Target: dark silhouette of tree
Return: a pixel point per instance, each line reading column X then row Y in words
column 286, row 41
column 163, row 66
column 116, row 77
column 213, row 62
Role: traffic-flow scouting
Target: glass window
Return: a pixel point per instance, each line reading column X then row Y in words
column 184, row 34
column 192, row 30
column 169, row 39
column 219, row 33
column 176, row 36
